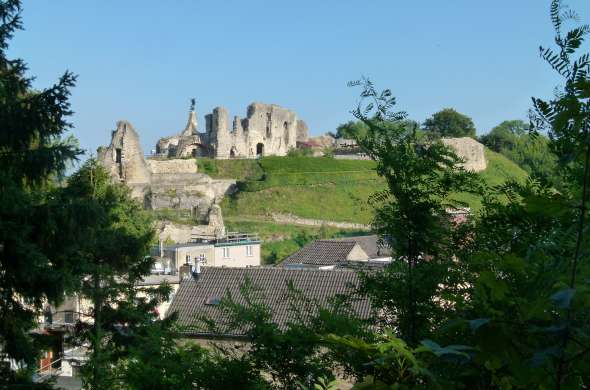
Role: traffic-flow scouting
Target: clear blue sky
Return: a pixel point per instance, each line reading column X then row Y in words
column 143, row 60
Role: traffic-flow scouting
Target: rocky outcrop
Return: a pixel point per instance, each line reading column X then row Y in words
column 168, row 231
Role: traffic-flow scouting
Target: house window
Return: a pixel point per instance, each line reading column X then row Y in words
column 225, row 252
column 249, row 250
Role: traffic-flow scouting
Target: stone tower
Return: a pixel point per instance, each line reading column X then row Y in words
column 220, row 139
column 124, row 159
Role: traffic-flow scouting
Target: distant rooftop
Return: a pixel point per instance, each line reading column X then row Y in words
column 371, row 244
column 321, row 253
column 337, row 251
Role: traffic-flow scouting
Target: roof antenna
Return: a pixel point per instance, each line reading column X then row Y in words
column 193, row 104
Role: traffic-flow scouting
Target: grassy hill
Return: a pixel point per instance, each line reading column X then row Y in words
column 317, row 188
column 320, row 188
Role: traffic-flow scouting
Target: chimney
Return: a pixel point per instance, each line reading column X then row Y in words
column 185, row 272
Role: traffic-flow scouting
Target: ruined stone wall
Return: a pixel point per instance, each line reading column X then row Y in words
column 469, row 150
column 163, row 184
column 267, row 130
column 124, row 159
column 172, row 166
column 302, row 131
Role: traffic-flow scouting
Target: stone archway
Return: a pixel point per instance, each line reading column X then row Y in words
column 260, row 149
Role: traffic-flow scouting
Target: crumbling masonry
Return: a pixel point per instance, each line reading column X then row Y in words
column 165, row 183
column 267, row 130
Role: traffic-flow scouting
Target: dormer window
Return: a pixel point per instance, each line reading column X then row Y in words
column 212, row 301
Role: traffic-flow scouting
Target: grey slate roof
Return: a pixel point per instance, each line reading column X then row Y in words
column 194, row 297
column 370, row 244
column 322, row 253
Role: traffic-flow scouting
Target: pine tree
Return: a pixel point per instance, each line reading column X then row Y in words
column 32, row 155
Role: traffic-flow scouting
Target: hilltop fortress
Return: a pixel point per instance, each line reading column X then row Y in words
column 267, row 130
column 169, row 179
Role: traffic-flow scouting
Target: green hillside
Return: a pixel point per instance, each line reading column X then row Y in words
column 317, row 188
column 320, row 188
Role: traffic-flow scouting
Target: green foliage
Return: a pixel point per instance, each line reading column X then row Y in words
column 300, row 152
column 351, row 130
column 33, row 154
column 421, row 175
column 321, row 384
column 112, row 234
column 526, row 263
column 390, row 363
column 529, row 150
column 294, row 354
column 158, row 361
column 450, row 123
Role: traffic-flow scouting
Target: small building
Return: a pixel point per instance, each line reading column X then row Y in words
column 233, row 250
column 340, row 252
column 201, row 296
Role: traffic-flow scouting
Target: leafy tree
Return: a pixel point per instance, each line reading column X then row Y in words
column 351, row 129
column 567, row 120
column 528, row 309
column 32, row 154
column 411, row 214
column 158, row 361
column 505, row 135
column 293, row 354
column 391, row 363
column 450, row 123
column 112, row 233
column 529, row 150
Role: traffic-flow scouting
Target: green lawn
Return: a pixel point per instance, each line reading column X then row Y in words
column 230, row 169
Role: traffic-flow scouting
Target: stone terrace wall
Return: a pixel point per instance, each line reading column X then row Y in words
column 172, row 166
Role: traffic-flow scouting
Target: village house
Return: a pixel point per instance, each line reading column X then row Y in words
column 340, row 252
column 232, row 250
column 200, row 296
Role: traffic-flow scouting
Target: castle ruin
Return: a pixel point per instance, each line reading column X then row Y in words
column 165, row 183
column 267, row 130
